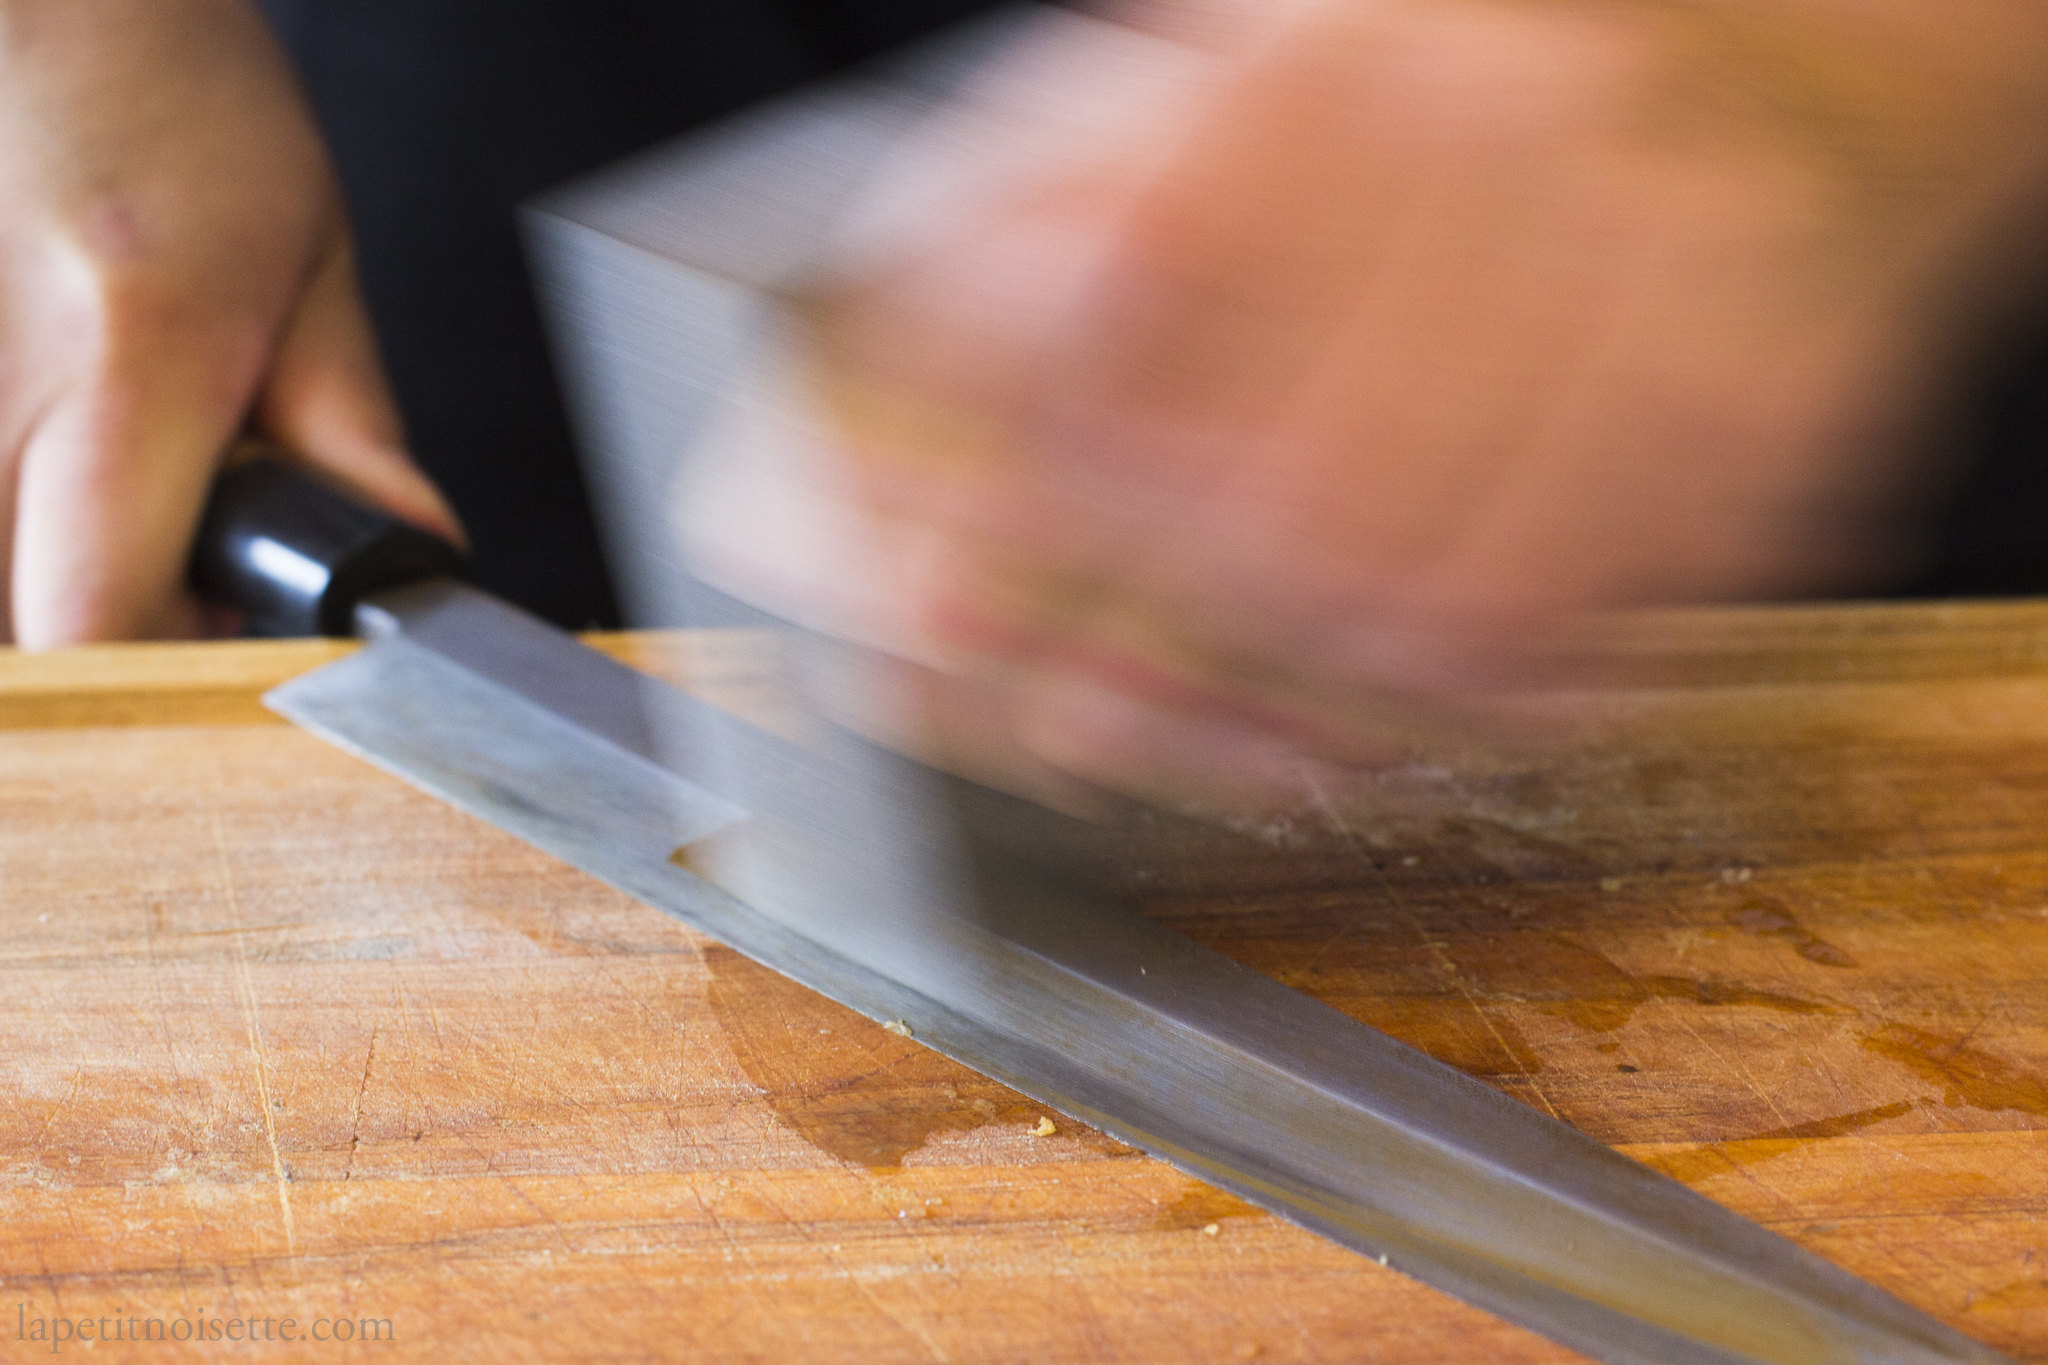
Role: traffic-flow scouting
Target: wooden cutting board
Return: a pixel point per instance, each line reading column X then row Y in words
column 282, row 1039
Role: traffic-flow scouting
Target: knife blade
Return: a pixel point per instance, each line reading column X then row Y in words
column 969, row 918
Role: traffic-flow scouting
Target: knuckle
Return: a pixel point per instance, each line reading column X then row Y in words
column 124, row 315
column 119, row 287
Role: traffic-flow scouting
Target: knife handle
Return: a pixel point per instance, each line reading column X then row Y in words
column 295, row 555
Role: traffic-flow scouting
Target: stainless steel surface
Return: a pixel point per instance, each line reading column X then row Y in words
column 911, row 896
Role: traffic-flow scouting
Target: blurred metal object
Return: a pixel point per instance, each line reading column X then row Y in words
column 915, row 897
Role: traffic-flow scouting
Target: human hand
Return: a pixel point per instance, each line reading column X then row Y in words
column 173, row 261
column 1326, row 381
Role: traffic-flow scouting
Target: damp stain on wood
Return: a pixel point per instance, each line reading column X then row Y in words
column 1694, row 1164
column 1200, row 1207
column 1967, row 1075
column 2024, row 1296
column 1768, row 919
column 1562, row 977
column 851, row 1087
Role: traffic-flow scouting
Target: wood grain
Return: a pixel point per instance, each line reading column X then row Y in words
column 280, row 1037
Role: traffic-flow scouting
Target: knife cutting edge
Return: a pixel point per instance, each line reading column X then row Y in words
column 914, row 896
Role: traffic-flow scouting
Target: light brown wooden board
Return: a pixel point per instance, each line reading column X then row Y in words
column 280, row 1037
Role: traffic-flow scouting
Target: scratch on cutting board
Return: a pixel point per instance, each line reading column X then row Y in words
column 1342, row 827
column 355, row 1129
column 245, row 988
column 62, row 1105
column 910, row 1327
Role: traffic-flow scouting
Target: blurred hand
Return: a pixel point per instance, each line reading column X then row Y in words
column 173, row 261
column 1214, row 402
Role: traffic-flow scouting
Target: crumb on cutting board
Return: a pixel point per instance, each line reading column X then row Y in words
column 1046, row 1127
column 898, row 1027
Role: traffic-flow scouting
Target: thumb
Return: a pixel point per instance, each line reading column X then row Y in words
column 327, row 402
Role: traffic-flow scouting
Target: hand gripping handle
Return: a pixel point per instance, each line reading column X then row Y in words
column 295, row 555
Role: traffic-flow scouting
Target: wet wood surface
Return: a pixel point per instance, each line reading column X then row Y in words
column 281, row 1038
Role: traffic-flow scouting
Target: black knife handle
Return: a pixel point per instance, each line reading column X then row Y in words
column 294, row 555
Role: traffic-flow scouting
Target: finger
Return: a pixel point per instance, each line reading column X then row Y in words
column 115, row 468
column 10, row 481
column 111, row 483
column 326, row 401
